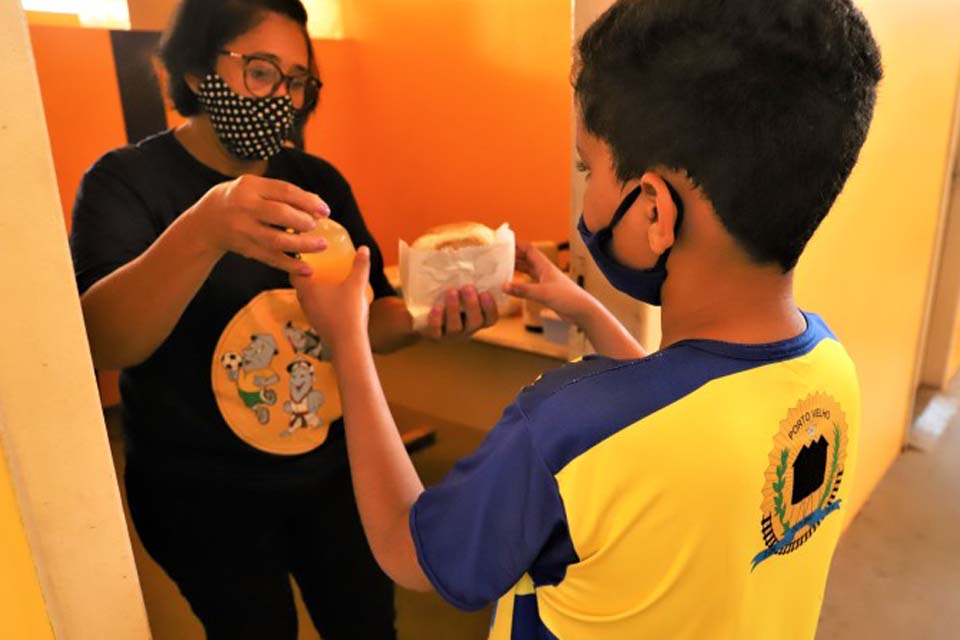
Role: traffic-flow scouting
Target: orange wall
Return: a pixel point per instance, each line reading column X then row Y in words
column 439, row 111
column 462, row 116
column 78, row 84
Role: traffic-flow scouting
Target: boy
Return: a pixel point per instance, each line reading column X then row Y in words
column 692, row 493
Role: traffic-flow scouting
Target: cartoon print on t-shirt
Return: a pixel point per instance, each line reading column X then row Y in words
column 303, row 341
column 304, row 399
column 231, row 362
column 272, row 386
column 256, row 377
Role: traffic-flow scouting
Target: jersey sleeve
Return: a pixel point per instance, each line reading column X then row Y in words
column 491, row 518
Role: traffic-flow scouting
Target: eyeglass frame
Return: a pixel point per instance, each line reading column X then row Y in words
column 284, row 78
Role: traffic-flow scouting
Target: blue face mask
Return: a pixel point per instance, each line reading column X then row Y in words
column 642, row 284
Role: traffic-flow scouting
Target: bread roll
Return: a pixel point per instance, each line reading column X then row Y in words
column 459, row 235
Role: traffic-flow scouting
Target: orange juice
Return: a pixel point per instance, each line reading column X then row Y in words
column 333, row 264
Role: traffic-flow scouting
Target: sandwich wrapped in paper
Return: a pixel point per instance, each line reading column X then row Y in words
column 451, row 257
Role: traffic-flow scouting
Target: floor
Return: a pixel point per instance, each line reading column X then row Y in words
column 896, row 574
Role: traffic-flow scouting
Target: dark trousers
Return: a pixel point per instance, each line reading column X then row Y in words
column 232, row 551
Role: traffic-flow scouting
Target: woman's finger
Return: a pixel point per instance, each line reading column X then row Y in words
column 473, row 312
column 435, row 323
column 284, row 242
column 279, row 260
column 453, row 323
column 279, row 214
column 491, row 314
column 285, row 192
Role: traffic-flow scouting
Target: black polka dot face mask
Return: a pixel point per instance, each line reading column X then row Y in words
column 249, row 128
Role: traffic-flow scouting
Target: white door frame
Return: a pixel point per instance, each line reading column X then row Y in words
column 938, row 338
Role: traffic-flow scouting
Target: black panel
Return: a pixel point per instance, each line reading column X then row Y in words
column 140, row 94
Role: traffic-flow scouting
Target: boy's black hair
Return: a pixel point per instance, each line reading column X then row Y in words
column 201, row 28
column 764, row 104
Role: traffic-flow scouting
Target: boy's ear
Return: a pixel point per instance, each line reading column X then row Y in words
column 662, row 212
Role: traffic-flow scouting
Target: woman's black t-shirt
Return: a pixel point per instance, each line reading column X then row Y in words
column 222, row 396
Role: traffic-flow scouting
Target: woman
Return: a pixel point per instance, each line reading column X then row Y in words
column 236, row 467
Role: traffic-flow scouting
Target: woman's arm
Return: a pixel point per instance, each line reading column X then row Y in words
column 130, row 312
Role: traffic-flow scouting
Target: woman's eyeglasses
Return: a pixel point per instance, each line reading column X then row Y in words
column 263, row 78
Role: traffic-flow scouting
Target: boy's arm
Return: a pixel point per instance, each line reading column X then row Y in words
column 553, row 289
column 473, row 536
column 384, row 480
column 607, row 335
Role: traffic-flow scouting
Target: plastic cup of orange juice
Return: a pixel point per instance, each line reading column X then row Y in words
column 333, row 264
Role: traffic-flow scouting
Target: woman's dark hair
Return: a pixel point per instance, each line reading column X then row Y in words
column 764, row 104
column 201, row 28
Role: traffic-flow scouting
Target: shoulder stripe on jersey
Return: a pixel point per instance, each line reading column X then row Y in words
column 575, row 408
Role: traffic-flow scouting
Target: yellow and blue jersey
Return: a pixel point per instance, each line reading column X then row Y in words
column 694, row 493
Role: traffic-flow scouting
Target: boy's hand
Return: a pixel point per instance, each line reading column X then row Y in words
column 337, row 312
column 550, row 286
column 463, row 313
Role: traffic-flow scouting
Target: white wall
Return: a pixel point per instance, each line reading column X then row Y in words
column 52, row 432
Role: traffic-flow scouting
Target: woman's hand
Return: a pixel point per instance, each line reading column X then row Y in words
column 462, row 314
column 339, row 313
column 249, row 216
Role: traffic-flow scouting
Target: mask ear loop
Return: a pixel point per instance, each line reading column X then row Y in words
column 631, row 198
column 678, row 203
column 624, row 207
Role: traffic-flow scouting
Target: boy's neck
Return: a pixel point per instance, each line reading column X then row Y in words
column 739, row 304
